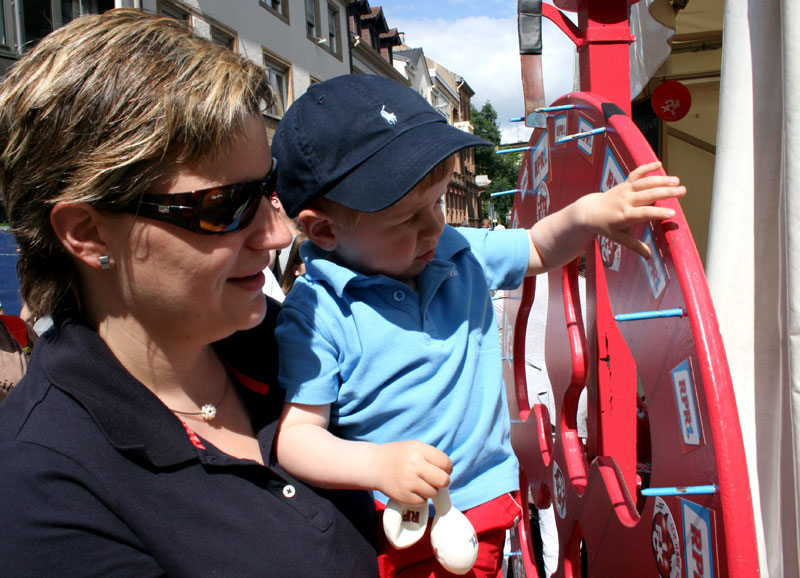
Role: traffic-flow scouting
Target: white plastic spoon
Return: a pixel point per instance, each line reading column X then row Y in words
column 453, row 538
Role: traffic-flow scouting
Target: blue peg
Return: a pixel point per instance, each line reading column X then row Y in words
column 681, row 490
column 518, row 150
column 580, row 135
column 555, row 108
column 649, row 315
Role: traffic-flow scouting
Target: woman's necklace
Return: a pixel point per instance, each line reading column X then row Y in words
column 209, row 410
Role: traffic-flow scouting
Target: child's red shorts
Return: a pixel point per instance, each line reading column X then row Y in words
column 490, row 521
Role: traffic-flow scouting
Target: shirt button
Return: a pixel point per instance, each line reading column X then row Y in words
column 289, row 491
column 399, row 295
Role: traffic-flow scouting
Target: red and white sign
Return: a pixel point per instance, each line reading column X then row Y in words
column 671, row 100
column 665, row 541
column 697, row 540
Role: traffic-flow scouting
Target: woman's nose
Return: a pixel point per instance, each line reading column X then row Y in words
column 268, row 229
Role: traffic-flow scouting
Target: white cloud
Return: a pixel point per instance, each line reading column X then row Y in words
column 485, row 51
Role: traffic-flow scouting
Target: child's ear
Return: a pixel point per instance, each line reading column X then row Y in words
column 320, row 228
column 78, row 226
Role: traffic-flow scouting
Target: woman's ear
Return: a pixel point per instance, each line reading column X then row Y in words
column 78, row 227
column 320, row 228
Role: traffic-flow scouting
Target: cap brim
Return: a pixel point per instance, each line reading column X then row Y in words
column 389, row 174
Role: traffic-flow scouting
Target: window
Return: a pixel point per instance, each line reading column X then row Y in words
column 173, row 11
column 37, row 18
column 3, row 39
column 278, row 74
column 279, row 7
column 312, row 17
column 333, row 30
column 102, row 5
column 374, row 39
column 219, row 36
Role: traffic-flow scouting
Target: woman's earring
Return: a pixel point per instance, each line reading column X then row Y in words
column 104, row 264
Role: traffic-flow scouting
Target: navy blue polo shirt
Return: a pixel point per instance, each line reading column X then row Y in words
column 99, row 478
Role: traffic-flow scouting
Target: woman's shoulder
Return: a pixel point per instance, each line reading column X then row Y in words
column 38, row 414
column 54, row 499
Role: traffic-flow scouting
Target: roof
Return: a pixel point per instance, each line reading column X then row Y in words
column 412, row 55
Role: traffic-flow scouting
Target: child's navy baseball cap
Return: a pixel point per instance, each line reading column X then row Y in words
column 360, row 140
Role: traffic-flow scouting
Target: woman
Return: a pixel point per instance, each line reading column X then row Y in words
column 134, row 165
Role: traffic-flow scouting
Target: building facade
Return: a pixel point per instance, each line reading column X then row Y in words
column 372, row 41
column 451, row 96
column 299, row 42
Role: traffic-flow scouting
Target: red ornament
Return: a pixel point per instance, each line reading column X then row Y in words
column 671, row 100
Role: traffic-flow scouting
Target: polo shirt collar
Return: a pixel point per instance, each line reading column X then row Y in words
column 76, row 360
column 320, row 268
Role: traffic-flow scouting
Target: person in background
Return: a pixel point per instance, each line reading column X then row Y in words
column 279, row 267
column 294, row 265
column 136, row 172
column 389, row 350
column 39, row 325
column 272, row 288
column 16, row 344
column 275, row 273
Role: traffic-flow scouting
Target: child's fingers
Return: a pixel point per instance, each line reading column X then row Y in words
column 425, row 484
column 630, row 242
column 651, row 195
column 437, row 458
column 654, row 181
column 650, row 213
column 435, row 477
column 643, row 170
column 638, row 246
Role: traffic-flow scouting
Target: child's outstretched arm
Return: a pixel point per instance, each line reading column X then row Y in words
column 560, row 237
column 409, row 472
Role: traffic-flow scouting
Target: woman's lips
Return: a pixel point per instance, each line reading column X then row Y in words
column 253, row 282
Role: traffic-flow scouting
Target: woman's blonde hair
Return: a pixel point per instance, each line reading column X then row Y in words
column 96, row 113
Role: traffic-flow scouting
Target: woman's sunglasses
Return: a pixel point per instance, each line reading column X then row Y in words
column 212, row 211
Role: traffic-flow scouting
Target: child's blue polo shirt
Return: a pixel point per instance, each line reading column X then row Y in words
column 397, row 365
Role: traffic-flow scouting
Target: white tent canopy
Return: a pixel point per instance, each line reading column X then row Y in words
column 753, row 261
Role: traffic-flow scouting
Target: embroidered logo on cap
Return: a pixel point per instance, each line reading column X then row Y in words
column 389, row 117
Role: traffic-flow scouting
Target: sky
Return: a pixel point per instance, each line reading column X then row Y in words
column 477, row 39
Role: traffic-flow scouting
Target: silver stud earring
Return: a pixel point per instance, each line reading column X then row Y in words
column 104, row 264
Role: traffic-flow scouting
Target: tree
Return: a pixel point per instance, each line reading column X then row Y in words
column 502, row 170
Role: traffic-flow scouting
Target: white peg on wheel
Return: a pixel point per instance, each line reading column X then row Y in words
column 453, row 538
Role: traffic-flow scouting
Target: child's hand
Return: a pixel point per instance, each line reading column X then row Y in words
column 614, row 212
column 411, row 472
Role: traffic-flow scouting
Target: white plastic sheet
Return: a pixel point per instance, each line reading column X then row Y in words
column 753, row 261
column 650, row 48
